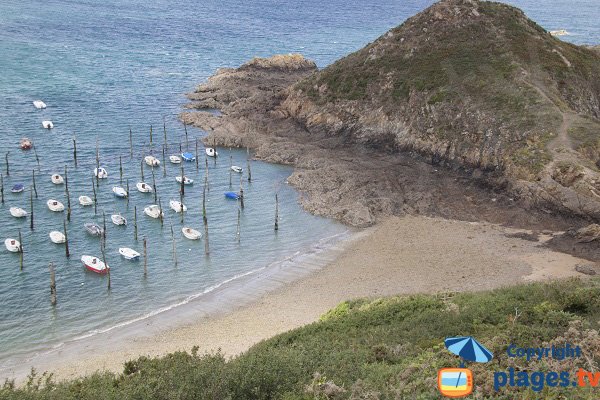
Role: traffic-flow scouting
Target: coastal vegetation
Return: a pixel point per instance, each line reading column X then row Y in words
column 368, row 349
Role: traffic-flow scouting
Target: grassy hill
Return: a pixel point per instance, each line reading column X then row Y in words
column 473, row 82
column 369, row 349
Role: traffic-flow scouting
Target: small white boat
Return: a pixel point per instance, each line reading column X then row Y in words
column 153, row 211
column 152, row 161
column 560, row 32
column 177, row 206
column 186, row 180
column 86, row 201
column 129, row 254
column 12, row 245
column 237, row 169
column 175, row 159
column 39, row 104
column 94, row 264
column 211, row 152
column 57, row 179
column 18, row 212
column 190, row 233
column 143, row 187
column 47, row 124
column 119, row 192
column 100, row 173
column 118, row 219
column 55, row 205
column 57, row 237
column 93, row 229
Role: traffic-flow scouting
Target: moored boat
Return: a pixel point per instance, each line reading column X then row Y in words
column 12, row 245
column 17, row 188
column 190, row 233
column 100, row 173
column 143, row 187
column 39, row 104
column 47, row 124
column 186, row 180
column 118, row 219
column 25, row 144
column 129, row 254
column 175, row 159
column 211, row 152
column 57, row 179
column 93, row 229
column 232, row 195
column 57, row 237
column 119, row 192
column 177, row 206
column 86, row 201
column 153, row 211
column 188, row 157
column 17, row 212
column 55, row 205
column 237, row 169
column 152, row 161
column 94, row 264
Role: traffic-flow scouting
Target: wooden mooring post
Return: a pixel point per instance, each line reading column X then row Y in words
column 33, row 183
column 135, row 225
column 248, row 165
column 276, row 212
column 174, row 247
column 67, row 252
column 52, row 285
column 145, row 258
column 31, row 218
column 21, row 251
column 95, row 197
column 75, row 151
column 68, row 195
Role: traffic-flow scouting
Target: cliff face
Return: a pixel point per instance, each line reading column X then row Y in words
column 474, row 86
column 469, row 83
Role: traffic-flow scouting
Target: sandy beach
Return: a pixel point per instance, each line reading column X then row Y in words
column 398, row 256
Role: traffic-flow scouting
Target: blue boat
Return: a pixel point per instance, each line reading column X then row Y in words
column 188, row 157
column 18, row 188
column 232, row 195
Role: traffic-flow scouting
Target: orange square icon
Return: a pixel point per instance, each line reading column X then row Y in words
column 455, row 382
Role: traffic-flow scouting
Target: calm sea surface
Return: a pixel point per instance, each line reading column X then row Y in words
column 105, row 67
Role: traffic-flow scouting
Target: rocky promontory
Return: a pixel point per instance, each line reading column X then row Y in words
column 468, row 110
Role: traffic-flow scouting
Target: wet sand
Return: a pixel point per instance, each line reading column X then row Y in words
column 398, row 256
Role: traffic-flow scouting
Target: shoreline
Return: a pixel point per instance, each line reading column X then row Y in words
column 217, row 299
column 399, row 256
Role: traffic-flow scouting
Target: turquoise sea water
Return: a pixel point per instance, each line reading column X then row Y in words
column 105, row 67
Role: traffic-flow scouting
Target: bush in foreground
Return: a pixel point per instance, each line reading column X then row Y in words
column 368, row 349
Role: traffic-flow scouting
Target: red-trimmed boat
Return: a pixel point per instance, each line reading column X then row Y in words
column 94, row 264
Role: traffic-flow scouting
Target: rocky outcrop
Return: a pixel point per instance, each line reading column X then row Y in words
column 338, row 178
column 449, row 114
column 471, row 84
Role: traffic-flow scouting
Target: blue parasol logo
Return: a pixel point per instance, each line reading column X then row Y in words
column 458, row 382
column 469, row 349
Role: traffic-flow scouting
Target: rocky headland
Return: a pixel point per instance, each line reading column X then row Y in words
column 468, row 110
